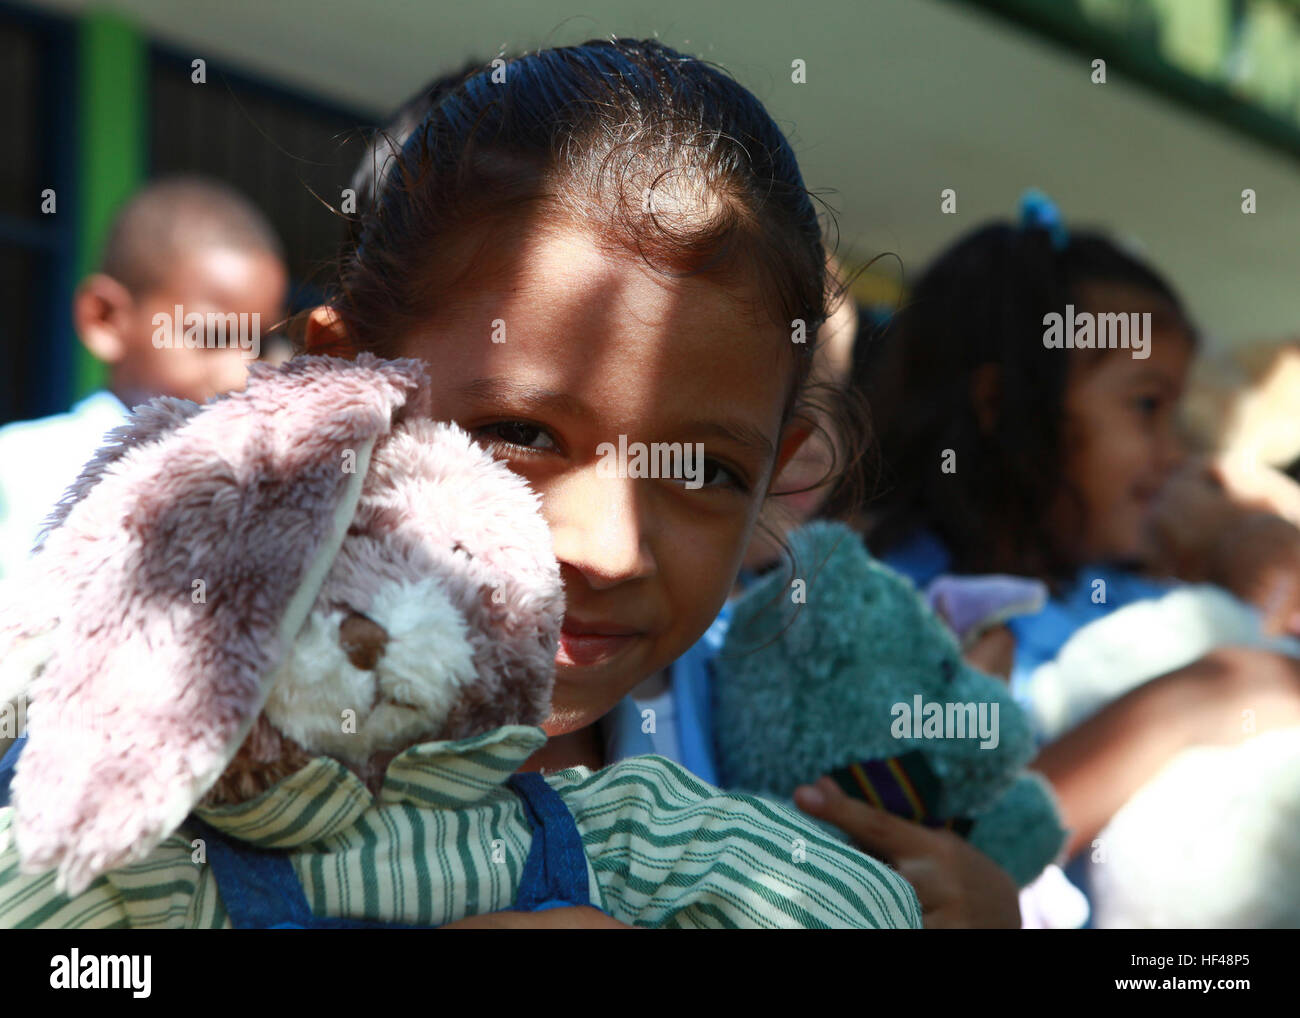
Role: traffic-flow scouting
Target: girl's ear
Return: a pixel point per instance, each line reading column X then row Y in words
column 326, row 334
column 986, row 396
column 795, row 434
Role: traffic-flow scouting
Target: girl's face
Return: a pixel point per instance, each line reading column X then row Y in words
column 807, row 479
column 1120, row 432
column 572, row 346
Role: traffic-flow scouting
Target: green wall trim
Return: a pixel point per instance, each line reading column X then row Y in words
column 1063, row 23
column 111, row 82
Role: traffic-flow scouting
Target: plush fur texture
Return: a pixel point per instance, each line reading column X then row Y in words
column 1213, row 840
column 28, row 621
column 353, row 555
column 449, row 555
column 805, row 688
column 1021, row 828
column 972, row 605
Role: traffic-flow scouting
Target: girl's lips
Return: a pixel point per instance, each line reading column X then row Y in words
column 590, row 650
column 585, row 644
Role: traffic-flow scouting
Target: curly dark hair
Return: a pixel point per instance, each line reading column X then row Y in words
column 982, row 302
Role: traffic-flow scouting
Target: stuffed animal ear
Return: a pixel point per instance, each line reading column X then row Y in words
column 182, row 572
column 29, row 618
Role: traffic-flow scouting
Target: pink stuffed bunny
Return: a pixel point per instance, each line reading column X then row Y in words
column 312, row 585
column 194, row 550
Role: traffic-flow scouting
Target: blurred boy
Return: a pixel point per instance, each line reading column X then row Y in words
column 182, row 247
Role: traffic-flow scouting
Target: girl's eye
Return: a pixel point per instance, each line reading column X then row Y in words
column 1147, row 406
column 518, row 434
column 715, row 475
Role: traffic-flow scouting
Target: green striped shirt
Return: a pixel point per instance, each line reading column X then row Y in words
column 446, row 838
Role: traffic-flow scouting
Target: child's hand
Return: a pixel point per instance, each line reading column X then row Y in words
column 1221, row 699
column 1219, row 522
column 994, row 653
column 958, row 886
column 1187, row 517
column 1255, row 485
column 1258, row 559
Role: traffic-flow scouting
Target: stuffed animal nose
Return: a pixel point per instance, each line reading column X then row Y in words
column 363, row 640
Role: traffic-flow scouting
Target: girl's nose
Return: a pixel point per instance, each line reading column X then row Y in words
column 1173, row 451
column 598, row 527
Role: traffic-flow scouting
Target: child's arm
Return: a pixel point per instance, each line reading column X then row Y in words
column 1098, row 765
column 671, row 851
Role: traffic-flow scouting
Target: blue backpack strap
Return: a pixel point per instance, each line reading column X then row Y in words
column 259, row 888
column 7, row 768
column 261, row 891
column 555, row 872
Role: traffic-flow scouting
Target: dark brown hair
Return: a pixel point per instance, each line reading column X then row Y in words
column 661, row 153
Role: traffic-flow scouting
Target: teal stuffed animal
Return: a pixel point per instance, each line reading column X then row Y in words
column 844, row 670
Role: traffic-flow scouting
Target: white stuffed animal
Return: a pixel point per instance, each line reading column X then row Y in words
column 1213, row 840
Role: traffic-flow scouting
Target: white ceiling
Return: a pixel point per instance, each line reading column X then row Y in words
column 903, row 98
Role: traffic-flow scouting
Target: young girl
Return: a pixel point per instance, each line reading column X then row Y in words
column 611, row 252
column 1004, row 453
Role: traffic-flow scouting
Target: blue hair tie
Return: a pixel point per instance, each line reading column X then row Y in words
column 1039, row 212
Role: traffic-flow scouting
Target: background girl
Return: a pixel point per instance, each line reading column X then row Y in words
column 1061, row 463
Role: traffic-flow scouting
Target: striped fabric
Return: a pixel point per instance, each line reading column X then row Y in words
column 904, row 785
column 446, row 839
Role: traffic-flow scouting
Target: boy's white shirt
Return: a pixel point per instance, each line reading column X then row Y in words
column 39, row 459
